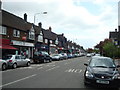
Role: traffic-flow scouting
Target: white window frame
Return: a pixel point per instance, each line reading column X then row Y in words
column 16, row 33
column 46, row 40
column 56, row 41
column 51, row 41
column 40, row 38
column 4, row 30
column 32, row 34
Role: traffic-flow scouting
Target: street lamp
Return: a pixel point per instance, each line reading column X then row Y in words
column 37, row 14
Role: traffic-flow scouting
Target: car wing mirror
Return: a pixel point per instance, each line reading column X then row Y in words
column 85, row 64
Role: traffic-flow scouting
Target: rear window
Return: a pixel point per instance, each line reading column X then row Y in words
column 7, row 57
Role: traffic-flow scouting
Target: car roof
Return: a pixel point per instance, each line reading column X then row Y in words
column 101, row 57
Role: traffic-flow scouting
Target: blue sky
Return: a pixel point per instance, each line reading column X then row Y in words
column 85, row 22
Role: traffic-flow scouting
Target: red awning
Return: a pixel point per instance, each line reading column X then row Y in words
column 3, row 46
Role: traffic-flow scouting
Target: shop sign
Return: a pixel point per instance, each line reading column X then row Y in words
column 52, row 45
column 29, row 44
column 20, row 43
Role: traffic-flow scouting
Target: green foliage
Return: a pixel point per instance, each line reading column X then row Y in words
column 111, row 50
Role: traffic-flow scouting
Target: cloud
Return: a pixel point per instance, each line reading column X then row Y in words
column 70, row 17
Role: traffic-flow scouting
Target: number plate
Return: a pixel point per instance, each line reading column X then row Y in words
column 102, row 82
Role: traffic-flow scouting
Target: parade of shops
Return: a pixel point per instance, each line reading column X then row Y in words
column 17, row 36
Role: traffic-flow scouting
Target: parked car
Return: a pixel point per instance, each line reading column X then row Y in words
column 56, row 57
column 3, row 65
column 70, row 56
column 97, row 54
column 89, row 55
column 16, row 60
column 64, row 55
column 102, row 71
column 41, row 56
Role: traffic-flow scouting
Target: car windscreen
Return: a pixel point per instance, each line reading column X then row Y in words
column 102, row 62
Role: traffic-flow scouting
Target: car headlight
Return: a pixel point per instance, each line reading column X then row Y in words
column 116, row 76
column 89, row 74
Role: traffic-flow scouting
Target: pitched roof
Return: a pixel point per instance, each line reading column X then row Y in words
column 11, row 20
column 49, row 34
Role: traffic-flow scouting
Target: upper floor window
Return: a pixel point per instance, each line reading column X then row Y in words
column 50, row 41
column 40, row 38
column 16, row 33
column 32, row 34
column 56, row 41
column 3, row 30
column 46, row 41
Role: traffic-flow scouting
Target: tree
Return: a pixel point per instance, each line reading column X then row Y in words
column 110, row 50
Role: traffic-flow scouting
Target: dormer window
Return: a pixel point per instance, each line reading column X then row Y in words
column 32, row 34
column 56, row 41
column 3, row 30
column 40, row 37
column 16, row 33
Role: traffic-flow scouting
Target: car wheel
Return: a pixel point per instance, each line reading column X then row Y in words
column 3, row 67
column 14, row 65
column 28, row 63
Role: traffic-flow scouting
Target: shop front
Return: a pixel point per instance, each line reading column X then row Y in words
column 53, row 49
column 41, row 47
column 6, row 47
column 24, row 48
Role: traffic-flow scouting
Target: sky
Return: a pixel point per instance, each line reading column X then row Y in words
column 86, row 22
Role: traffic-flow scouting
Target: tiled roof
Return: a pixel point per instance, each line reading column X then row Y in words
column 14, row 21
column 49, row 34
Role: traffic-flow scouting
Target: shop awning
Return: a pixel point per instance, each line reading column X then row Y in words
column 3, row 46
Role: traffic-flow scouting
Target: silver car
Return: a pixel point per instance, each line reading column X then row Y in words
column 17, row 60
column 3, row 65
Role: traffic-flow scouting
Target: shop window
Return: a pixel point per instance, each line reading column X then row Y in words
column 16, row 33
column 3, row 30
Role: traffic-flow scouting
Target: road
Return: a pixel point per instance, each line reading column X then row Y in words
column 57, row 74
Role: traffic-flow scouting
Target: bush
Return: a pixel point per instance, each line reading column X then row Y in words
column 110, row 50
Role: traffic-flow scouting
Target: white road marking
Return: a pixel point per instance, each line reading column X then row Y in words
column 74, row 71
column 53, row 68
column 18, row 80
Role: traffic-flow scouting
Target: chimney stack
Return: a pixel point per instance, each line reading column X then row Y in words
column 50, row 29
column 115, row 30
column 40, row 24
column 118, row 28
column 25, row 17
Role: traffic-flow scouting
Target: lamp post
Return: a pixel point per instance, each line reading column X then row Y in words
column 37, row 14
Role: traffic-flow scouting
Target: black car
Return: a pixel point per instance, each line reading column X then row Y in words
column 102, row 72
column 41, row 56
